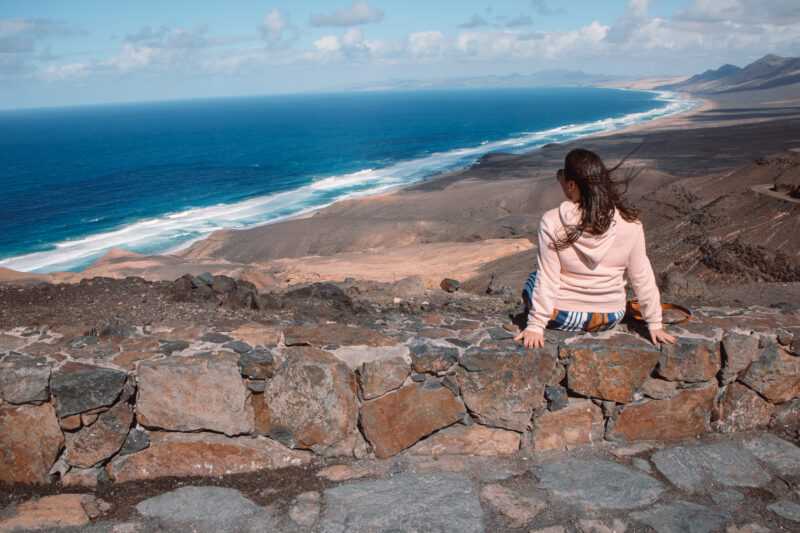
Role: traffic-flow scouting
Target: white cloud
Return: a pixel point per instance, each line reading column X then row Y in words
column 66, row 71
column 426, row 44
column 360, row 12
column 328, row 44
column 276, row 30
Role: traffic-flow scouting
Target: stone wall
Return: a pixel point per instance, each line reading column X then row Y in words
column 126, row 402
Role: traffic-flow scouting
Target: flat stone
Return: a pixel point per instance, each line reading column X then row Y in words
column 642, row 464
column 81, row 477
column 136, row 441
column 445, row 503
column 208, row 507
column 682, row 517
column 609, row 369
column 382, row 376
column 727, row 498
column 557, row 397
column 738, row 351
column 781, row 455
column 194, row 393
column 78, row 387
column 691, row 468
column 203, row 454
column 473, row 440
column 748, row 528
column 786, row 509
column 321, row 335
column 597, row 526
column 169, row 347
column 311, row 401
column 518, row 510
column 741, row 409
column 502, row 389
column 102, row 439
column 30, row 441
column 339, row 473
column 256, row 334
column 685, row 415
column 690, row 360
column 427, row 357
column 598, row 484
column 216, row 338
column 787, row 417
column 580, row 423
column 10, row 343
column 399, row 419
column 659, row 389
column 775, row 375
column 24, row 379
column 257, row 364
column 305, row 509
column 61, row 510
column 355, row 356
column 239, row 347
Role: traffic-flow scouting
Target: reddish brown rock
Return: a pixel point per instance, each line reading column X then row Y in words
column 397, row 420
column 580, row 423
column 469, row 440
column 194, row 393
column 30, row 441
column 382, row 376
column 338, row 473
column 609, row 369
column 430, row 358
column 81, row 477
column 203, row 454
column 685, row 415
column 659, row 389
column 742, row 409
column 61, row 510
column 100, row 440
column 256, row 334
column 517, row 509
column 311, row 400
column 263, row 425
column 321, row 335
column 70, row 423
column 787, row 418
column 775, row 375
column 128, row 359
column 502, row 389
column 738, row 351
column 689, row 360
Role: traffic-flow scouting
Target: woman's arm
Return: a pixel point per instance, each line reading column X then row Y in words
column 643, row 281
column 545, row 291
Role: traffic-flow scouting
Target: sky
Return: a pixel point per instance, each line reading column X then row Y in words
column 63, row 53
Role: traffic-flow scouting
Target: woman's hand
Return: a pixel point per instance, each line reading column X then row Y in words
column 530, row 338
column 659, row 336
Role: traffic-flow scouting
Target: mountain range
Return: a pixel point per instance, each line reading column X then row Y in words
column 768, row 72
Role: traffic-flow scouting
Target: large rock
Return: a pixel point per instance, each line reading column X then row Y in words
column 203, row 454
column 659, row 389
column 781, row 455
column 474, row 440
column 222, row 507
column 428, row 357
column 742, row 409
column 738, row 351
column 78, row 387
column 444, row 503
column 382, row 376
column 685, row 415
column 30, row 441
column 321, row 335
column 775, row 375
column 58, row 511
column 503, row 389
column 598, row 484
column 311, row 400
column 690, row 468
column 397, row 420
column 682, row 517
column 194, row 393
column 256, row 334
column 102, row 439
column 517, row 509
column 690, row 360
column 24, row 379
column 609, row 369
column 580, row 423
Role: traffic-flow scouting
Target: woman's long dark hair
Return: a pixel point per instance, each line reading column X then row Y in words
column 600, row 194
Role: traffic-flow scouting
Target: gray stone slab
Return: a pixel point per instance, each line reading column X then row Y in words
column 436, row 503
column 682, row 517
column 691, row 468
column 598, row 484
column 782, row 455
column 786, row 509
column 204, row 507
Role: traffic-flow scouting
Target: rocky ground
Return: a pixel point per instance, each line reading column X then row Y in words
column 123, row 395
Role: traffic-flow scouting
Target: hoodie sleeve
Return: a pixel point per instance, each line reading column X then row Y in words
column 548, row 280
column 643, row 281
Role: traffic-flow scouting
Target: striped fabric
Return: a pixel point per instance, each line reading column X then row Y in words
column 573, row 320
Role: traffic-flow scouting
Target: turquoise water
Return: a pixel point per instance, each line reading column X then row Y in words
column 154, row 177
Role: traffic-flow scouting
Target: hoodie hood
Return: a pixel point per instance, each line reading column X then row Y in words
column 590, row 248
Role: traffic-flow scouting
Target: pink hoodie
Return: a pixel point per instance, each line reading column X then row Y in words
column 590, row 274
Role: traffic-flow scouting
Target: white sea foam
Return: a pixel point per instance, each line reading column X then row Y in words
column 176, row 230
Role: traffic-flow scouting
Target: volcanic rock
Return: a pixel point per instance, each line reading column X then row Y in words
column 473, row 440
column 30, row 441
column 24, row 379
column 78, row 387
column 689, row 360
column 321, row 335
column 738, row 351
column 775, row 375
column 580, row 423
column 427, row 357
column 382, row 376
column 102, row 439
column 58, row 511
column 742, row 409
column 517, row 509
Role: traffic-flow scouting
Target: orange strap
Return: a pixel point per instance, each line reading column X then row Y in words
column 634, row 310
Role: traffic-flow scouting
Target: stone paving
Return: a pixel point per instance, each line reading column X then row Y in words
column 738, row 483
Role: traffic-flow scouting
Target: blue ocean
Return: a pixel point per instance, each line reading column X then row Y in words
column 154, row 177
